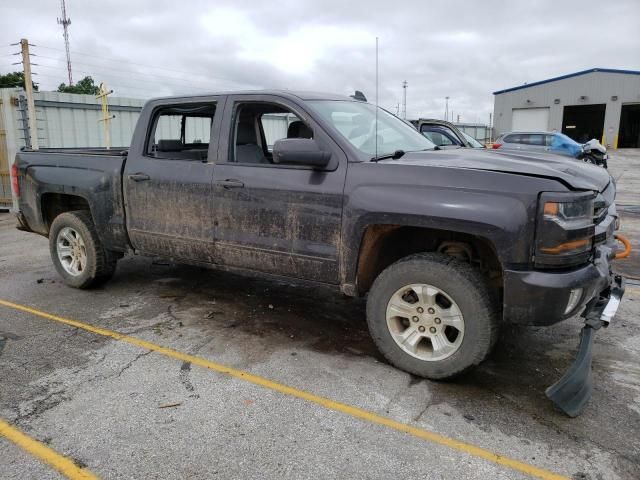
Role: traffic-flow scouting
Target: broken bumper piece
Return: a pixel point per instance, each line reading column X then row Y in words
column 572, row 392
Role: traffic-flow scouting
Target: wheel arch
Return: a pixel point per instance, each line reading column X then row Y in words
column 53, row 204
column 383, row 244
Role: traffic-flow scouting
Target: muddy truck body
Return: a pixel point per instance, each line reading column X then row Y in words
column 447, row 245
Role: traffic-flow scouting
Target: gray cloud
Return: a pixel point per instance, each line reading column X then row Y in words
column 464, row 50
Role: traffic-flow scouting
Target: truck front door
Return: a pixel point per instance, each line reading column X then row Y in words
column 276, row 218
column 167, row 179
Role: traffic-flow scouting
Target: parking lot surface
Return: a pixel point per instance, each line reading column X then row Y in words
column 304, row 393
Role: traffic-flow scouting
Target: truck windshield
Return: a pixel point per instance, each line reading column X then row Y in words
column 356, row 121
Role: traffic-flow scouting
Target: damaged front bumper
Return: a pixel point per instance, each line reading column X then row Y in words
column 572, row 392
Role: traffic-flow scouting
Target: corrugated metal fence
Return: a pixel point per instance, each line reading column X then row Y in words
column 68, row 120
column 64, row 121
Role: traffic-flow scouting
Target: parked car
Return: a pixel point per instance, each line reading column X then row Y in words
column 445, row 134
column 446, row 245
column 553, row 142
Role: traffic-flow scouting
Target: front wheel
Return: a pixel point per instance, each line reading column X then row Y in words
column 77, row 252
column 432, row 315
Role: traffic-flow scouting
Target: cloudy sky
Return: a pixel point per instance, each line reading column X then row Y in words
column 461, row 49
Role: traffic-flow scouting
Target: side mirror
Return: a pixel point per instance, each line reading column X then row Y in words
column 300, row 151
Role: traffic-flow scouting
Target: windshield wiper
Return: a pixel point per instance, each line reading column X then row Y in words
column 395, row 155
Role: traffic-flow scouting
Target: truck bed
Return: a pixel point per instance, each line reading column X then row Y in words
column 88, row 178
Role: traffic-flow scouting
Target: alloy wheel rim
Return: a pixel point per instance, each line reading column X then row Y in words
column 71, row 250
column 425, row 322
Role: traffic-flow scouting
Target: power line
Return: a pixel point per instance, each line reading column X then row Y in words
column 116, row 86
column 150, row 78
column 119, row 85
column 140, row 76
column 109, row 69
column 135, row 63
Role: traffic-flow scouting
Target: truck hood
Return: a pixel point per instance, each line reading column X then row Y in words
column 575, row 174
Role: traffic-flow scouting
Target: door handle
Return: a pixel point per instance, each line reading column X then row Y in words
column 139, row 177
column 230, row 183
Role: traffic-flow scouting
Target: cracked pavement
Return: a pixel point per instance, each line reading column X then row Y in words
column 128, row 413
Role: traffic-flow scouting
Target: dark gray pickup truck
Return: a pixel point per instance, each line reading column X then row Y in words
column 448, row 245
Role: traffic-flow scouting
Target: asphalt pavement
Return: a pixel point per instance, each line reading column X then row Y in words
column 250, row 378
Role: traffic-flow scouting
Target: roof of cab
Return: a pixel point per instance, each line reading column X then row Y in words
column 303, row 95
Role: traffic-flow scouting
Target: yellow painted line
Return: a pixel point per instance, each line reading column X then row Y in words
column 38, row 449
column 352, row 411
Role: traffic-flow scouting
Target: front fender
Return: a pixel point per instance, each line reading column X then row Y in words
column 498, row 207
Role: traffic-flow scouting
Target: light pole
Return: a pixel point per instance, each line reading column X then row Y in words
column 404, row 99
column 446, row 109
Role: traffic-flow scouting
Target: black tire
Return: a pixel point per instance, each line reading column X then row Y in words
column 100, row 264
column 464, row 284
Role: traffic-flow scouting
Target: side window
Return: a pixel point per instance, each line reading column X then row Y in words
column 181, row 132
column 429, row 136
column 197, row 130
column 548, row 140
column 512, row 139
column 439, row 138
column 536, row 139
column 276, row 127
column 257, row 127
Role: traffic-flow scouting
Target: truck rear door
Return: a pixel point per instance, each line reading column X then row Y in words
column 276, row 218
column 167, row 179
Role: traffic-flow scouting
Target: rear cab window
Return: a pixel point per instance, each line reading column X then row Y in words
column 181, row 132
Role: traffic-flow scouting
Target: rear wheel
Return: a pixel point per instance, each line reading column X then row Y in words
column 432, row 315
column 77, row 252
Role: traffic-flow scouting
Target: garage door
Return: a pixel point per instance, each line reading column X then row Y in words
column 530, row 119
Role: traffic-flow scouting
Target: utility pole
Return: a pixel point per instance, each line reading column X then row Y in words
column 65, row 22
column 458, row 121
column 106, row 117
column 404, row 100
column 28, row 88
column 446, row 109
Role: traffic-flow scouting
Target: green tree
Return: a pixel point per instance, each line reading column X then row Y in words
column 14, row 80
column 84, row 86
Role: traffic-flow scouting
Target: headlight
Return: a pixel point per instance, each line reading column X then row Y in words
column 565, row 229
column 569, row 214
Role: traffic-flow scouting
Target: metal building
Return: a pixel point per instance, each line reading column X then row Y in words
column 598, row 103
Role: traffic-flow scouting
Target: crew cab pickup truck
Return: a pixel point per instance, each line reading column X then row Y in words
column 448, row 245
